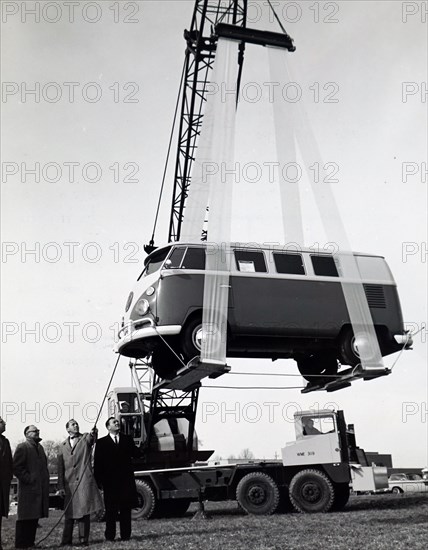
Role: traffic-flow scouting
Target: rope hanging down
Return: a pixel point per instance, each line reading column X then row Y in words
column 87, row 462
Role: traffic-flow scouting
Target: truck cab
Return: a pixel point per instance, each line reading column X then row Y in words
column 325, row 442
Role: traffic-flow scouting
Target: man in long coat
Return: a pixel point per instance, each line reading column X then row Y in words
column 30, row 466
column 5, row 473
column 77, row 483
column 114, row 473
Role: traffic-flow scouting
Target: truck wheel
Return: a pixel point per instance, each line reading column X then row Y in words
column 341, row 496
column 258, row 494
column 146, row 501
column 318, row 363
column 311, row 491
column 397, row 490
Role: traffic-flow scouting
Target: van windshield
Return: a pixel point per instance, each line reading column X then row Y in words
column 155, row 262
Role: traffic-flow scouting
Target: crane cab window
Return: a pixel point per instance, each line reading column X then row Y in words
column 292, row 264
column 128, row 403
column 250, row 262
column 324, row 266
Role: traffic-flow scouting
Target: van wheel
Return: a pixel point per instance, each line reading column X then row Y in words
column 192, row 339
column 257, row 493
column 349, row 349
column 318, row 364
column 311, row 491
column 164, row 362
column 146, row 501
column 349, row 353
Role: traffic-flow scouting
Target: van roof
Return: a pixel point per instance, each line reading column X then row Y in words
column 257, row 246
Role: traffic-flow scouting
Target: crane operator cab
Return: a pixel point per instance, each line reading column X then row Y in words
column 169, row 434
column 282, row 304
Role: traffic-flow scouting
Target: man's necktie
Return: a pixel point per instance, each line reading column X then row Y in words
column 116, row 440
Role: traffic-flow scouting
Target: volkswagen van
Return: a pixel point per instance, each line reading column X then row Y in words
column 282, row 304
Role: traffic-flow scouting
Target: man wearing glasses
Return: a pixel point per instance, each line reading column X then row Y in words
column 31, row 469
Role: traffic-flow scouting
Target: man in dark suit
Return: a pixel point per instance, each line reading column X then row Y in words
column 6, row 469
column 115, row 475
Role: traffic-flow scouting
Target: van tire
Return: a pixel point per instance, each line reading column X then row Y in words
column 348, row 349
column 189, row 338
column 165, row 363
column 318, row 364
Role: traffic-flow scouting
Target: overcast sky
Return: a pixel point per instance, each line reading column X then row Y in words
column 82, row 162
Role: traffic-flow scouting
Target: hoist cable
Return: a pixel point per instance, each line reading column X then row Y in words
column 276, row 17
column 152, row 240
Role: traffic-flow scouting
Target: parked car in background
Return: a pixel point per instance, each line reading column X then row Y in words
column 407, row 483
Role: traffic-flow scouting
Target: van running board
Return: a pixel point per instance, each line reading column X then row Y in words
column 345, row 379
column 190, row 376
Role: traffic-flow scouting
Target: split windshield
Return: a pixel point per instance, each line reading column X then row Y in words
column 155, row 262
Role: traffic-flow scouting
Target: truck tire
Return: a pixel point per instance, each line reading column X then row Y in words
column 146, row 501
column 258, row 494
column 341, row 496
column 311, row 491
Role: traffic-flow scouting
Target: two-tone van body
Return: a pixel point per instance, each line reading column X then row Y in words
column 282, row 304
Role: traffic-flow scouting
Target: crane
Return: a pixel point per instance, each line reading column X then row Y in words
column 172, row 403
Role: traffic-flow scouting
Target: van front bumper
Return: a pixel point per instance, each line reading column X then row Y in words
column 141, row 331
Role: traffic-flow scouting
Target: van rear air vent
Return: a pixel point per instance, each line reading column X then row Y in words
column 375, row 296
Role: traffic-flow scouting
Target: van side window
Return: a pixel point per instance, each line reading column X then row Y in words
column 176, row 257
column 194, row 259
column 289, row 263
column 250, row 262
column 325, row 266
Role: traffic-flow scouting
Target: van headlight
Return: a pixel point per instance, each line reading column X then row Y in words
column 150, row 291
column 142, row 307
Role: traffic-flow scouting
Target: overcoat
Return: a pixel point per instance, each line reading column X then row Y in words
column 114, row 472
column 76, row 478
column 31, row 468
column 6, row 472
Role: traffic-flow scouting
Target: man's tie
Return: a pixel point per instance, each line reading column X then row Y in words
column 116, row 440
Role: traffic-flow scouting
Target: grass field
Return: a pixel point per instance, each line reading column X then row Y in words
column 368, row 522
